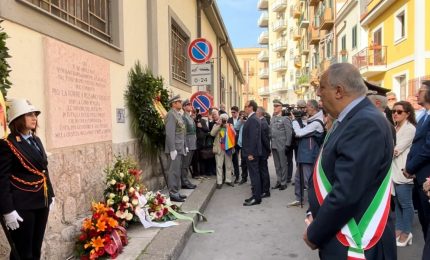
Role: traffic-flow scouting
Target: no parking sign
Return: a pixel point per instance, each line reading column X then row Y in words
column 202, row 100
column 200, row 50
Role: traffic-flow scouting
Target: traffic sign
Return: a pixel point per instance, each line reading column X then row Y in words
column 200, row 50
column 201, row 69
column 201, row 80
column 202, row 100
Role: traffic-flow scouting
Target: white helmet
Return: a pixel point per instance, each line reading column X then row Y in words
column 19, row 107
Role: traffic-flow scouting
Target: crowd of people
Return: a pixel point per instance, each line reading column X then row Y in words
column 358, row 151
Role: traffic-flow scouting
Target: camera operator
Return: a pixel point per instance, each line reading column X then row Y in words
column 308, row 147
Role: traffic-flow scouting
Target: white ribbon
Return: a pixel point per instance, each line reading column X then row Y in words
column 144, row 216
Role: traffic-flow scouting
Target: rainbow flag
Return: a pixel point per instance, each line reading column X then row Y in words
column 228, row 138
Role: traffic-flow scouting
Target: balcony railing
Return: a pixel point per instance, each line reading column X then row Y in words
column 263, row 4
column 327, row 19
column 263, row 38
column 263, row 56
column 279, row 25
column 264, row 91
column 279, row 65
column 371, row 60
column 298, row 61
column 313, row 36
column 280, row 45
column 304, row 21
column 279, row 5
column 263, row 21
column 304, row 46
column 297, row 34
column 264, row 73
column 280, row 86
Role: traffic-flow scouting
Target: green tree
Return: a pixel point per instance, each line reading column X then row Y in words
column 4, row 66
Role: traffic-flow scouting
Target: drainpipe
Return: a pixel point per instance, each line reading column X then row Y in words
column 220, row 45
column 199, row 18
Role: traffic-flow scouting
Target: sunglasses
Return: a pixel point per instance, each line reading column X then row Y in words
column 399, row 112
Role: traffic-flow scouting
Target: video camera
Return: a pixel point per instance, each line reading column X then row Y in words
column 288, row 110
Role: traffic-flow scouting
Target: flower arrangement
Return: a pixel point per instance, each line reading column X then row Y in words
column 157, row 207
column 101, row 235
column 123, row 189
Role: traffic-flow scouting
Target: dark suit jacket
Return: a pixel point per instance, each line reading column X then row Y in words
column 13, row 194
column 251, row 137
column 356, row 158
column 265, row 137
column 418, row 161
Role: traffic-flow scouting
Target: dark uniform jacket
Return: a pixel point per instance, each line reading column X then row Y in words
column 15, row 195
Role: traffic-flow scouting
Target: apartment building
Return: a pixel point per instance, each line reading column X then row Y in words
column 76, row 55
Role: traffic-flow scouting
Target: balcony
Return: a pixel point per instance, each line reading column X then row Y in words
column 263, row 21
column 327, row 19
column 264, row 91
column 303, row 80
column 371, row 61
column 263, row 4
column 304, row 47
column 313, row 36
column 298, row 61
column 279, row 25
column 279, row 5
column 263, row 56
column 279, row 87
column 264, row 73
column 314, row 2
column 304, row 21
column 297, row 34
column 280, row 45
column 297, row 10
column 263, row 38
column 279, row 66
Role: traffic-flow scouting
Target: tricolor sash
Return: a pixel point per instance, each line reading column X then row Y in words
column 364, row 235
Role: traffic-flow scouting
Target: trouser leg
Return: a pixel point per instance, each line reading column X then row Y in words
column 264, row 175
column 254, row 174
column 290, row 165
column 235, row 160
column 185, row 165
column 174, row 174
column 244, row 167
column 219, row 158
column 228, row 167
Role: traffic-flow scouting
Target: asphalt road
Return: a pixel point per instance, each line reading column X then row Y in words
column 266, row 231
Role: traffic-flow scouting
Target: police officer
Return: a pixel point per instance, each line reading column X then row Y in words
column 26, row 192
column 281, row 130
column 190, row 142
column 175, row 147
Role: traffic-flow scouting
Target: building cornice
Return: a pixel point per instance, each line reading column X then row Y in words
column 376, row 12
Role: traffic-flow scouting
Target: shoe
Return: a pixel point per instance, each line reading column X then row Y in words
column 288, row 181
column 176, row 198
column 189, row 186
column 182, row 196
column 218, row 186
column 294, row 204
column 251, row 202
column 229, row 184
column 282, row 187
column 407, row 242
column 277, row 186
column 265, row 195
column 242, row 181
column 249, row 199
column 236, row 181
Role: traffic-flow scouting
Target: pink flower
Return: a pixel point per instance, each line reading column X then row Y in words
column 159, row 214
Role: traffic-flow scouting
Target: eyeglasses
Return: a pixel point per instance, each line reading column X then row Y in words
column 399, row 112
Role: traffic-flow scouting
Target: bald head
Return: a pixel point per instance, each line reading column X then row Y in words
column 347, row 76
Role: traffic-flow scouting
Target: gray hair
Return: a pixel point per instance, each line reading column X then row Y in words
column 391, row 94
column 261, row 110
column 215, row 111
column 301, row 103
column 347, row 76
column 314, row 104
column 381, row 99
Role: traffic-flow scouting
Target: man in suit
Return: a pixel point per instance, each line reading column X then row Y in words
column 252, row 150
column 235, row 157
column 352, row 174
column 175, row 147
column 265, row 149
column 190, row 143
column 281, row 135
column 418, row 163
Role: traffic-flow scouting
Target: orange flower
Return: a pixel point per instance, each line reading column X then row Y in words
column 101, row 225
column 87, row 224
column 99, row 207
column 112, row 222
column 97, row 242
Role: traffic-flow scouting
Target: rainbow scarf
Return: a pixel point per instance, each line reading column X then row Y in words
column 228, row 138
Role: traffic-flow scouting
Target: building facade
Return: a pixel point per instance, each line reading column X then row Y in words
column 72, row 59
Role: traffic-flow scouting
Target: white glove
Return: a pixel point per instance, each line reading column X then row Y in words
column 186, row 150
column 52, row 205
column 173, row 154
column 12, row 219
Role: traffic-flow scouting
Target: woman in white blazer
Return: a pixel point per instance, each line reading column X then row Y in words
column 404, row 118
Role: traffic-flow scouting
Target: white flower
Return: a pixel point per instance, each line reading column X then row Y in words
column 125, row 198
column 121, row 175
column 135, row 202
column 112, row 195
column 119, row 214
column 110, row 202
column 129, row 216
column 112, row 182
column 131, row 190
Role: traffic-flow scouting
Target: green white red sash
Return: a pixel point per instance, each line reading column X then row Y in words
column 364, row 235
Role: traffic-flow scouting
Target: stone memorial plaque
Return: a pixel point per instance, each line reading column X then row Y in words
column 78, row 96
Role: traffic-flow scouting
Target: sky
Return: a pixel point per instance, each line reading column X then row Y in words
column 241, row 18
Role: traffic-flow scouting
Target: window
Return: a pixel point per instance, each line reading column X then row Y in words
column 354, row 37
column 92, row 16
column 400, row 26
column 180, row 63
column 344, row 43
